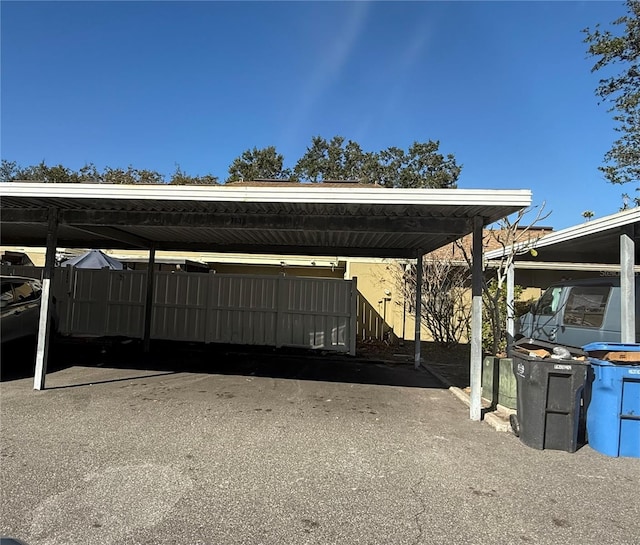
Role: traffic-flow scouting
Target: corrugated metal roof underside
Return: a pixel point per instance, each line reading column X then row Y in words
column 396, row 223
column 321, row 209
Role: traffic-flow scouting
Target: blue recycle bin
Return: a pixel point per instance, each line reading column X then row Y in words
column 613, row 413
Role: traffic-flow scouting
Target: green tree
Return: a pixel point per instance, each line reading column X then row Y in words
column 9, row 171
column 257, row 164
column 37, row 173
column 180, row 178
column 89, row 174
column 336, row 160
column 330, row 160
column 620, row 90
column 119, row 175
column 129, row 176
column 587, row 214
column 420, row 166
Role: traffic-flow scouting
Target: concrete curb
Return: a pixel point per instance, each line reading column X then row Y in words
column 498, row 419
column 461, row 395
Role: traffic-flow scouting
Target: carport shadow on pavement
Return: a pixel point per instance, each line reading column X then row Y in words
column 180, row 357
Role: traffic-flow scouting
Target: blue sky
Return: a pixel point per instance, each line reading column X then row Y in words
column 505, row 86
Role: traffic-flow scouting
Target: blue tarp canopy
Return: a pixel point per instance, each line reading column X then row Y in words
column 93, row 259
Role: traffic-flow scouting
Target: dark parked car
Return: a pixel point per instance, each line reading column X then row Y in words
column 19, row 307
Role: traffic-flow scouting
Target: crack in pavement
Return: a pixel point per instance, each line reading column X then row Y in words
column 417, row 515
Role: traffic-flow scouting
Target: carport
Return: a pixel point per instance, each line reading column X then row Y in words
column 594, row 245
column 358, row 221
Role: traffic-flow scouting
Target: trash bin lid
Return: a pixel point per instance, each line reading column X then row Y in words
column 611, row 347
column 532, row 345
column 613, row 353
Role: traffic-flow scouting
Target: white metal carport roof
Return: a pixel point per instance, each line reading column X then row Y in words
column 608, row 240
column 371, row 222
column 596, row 241
column 303, row 219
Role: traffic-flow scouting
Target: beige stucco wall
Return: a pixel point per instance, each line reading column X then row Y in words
column 379, row 282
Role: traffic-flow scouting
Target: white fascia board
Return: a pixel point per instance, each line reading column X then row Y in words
column 607, row 223
column 563, row 266
column 614, row 221
column 313, row 194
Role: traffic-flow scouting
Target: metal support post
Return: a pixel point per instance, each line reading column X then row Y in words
column 44, row 328
column 511, row 330
column 418, row 310
column 475, row 371
column 627, row 286
column 148, row 303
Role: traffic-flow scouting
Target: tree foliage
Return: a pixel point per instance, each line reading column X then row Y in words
column 334, row 160
column 10, row 171
column 181, row 178
column 620, row 90
column 494, row 316
column 420, row 166
column 256, row 164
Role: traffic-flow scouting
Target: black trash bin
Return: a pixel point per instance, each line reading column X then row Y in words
column 550, row 392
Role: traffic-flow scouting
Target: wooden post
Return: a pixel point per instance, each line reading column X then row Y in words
column 148, row 303
column 42, row 350
column 627, row 286
column 418, row 323
column 475, row 363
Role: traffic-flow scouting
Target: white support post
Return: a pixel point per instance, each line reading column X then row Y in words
column 627, row 287
column 44, row 328
column 148, row 303
column 511, row 330
column 475, row 363
column 418, row 324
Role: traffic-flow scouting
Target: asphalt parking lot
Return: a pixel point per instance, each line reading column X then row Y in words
column 249, row 448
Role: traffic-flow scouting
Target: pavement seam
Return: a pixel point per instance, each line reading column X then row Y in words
column 417, row 515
